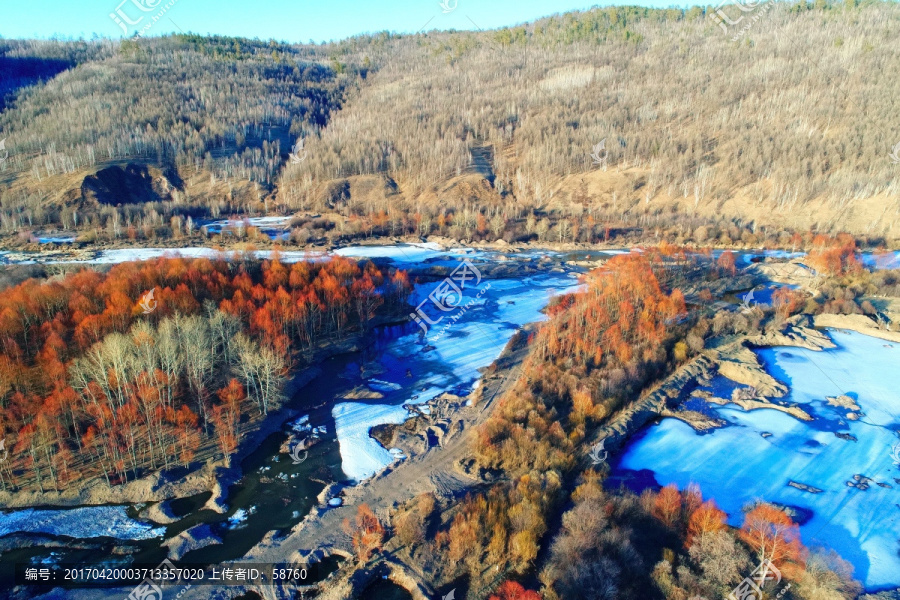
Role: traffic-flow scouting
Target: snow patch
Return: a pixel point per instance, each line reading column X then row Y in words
column 408, row 253
column 361, row 455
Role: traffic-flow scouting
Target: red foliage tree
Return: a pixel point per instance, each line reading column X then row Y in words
column 367, row 533
column 726, row 263
column 706, row 519
column 772, row 535
column 667, row 505
column 115, row 418
column 512, row 590
column 834, row 256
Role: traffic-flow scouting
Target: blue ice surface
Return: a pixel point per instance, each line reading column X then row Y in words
column 83, row 522
column 463, row 340
column 736, row 465
column 56, row 239
column 883, row 260
column 764, row 295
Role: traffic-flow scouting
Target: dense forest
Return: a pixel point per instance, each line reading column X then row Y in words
column 579, row 127
column 140, row 368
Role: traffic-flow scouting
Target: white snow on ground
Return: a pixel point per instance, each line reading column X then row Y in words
column 252, row 222
column 84, row 522
column 747, row 257
column 383, row 386
column 131, row 254
column 736, row 465
column 301, row 424
column 398, row 252
column 402, row 253
column 521, row 308
column 361, row 455
column 121, row 255
column 275, row 227
column 239, row 519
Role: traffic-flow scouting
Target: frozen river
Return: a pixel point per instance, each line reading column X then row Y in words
column 737, row 465
column 408, row 365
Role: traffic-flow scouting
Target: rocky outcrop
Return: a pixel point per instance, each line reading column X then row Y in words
column 194, row 538
column 858, row 323
column 403, row 577
column 160, row 512
column 668, row 395
column 804, row 487
column 131, row 184
column 697, row 420
column 740, row 364
column 888, row 595
column 218, row 501
column 797, row 331
column 843, row 401
column 352, row 583
column 757, row 403
column 734, row 361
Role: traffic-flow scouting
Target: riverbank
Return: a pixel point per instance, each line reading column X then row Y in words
column 736, row 362
column 196, row 246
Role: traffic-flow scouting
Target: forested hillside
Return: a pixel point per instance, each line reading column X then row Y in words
column 766, row 129
column 572, row 128
column 222, row 113
column 25, row 63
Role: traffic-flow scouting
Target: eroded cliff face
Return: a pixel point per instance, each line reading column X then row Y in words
column 129, row 184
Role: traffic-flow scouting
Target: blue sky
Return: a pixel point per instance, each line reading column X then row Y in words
column 291, row 21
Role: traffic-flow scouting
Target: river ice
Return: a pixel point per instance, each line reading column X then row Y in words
column 736, row 465
column 84, row 522
column 447, row 358
column 361, row 455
